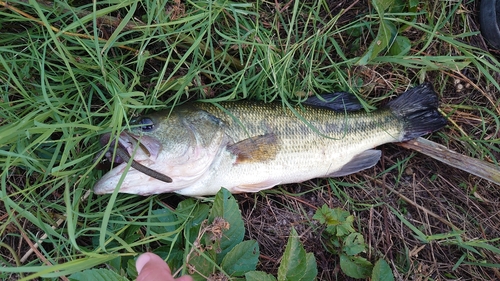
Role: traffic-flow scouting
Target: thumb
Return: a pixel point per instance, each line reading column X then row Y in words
column 151, row 267
column 184, row 278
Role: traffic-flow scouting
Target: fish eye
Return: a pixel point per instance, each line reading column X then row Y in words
column 146, row 124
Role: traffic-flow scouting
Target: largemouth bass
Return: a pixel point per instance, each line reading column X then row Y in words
column 197, row 148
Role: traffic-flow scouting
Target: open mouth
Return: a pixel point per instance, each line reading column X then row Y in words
column 125, row 147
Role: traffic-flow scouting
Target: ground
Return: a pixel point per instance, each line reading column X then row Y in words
column 430, row 221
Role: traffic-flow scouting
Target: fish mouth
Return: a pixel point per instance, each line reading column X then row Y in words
column 142, row 148
column 126, row 144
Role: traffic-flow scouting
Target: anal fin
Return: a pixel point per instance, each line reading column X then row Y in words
column 255, row 187
column 364, row 160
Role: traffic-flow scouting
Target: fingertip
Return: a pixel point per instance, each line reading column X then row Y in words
column 151, row 267
column 185, row 278
column 142, row 261
column 150, row 260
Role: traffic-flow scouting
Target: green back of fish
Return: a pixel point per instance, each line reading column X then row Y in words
column 247, row 119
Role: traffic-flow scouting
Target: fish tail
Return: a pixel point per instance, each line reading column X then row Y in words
column 418, row 108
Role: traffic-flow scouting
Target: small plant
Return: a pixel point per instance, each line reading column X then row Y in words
column 389, row 38
column 211, row 247
column 344, row 241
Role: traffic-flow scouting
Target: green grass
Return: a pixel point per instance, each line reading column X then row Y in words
column 69, row 74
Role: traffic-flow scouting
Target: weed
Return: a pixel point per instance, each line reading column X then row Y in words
column 343, row 241
column 72, row 70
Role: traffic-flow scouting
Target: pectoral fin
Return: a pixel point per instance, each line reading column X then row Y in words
column 364, row 160
column 255, row 149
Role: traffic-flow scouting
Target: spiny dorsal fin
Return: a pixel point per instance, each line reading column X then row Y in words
column 339, row 102
column 255, row 149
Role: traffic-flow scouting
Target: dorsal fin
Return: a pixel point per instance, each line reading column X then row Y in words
column 340, row 102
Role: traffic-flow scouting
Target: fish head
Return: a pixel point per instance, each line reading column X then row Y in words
column 162, row 142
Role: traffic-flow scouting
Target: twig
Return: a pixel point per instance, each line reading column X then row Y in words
column 468, row 164
column 33, row 247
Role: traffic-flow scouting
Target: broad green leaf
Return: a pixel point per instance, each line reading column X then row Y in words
column 131, row 270
column 401, row 46
column 398, row 6
column 100, row 274
column 382, row 271
column 386, row 33
column 355, row 267
column 338, row 221
column 312, row 268
column 241, row 259
column 346, row 227
column 295, row 264
column 322, row 215
column 167, row 219
column 382, row 5
column 197, row 213
column 354, row 244
column 115, row 263
column 259, row 276
column 192, row 211
column 226, row 207
column 203, row 263
column 174, row 255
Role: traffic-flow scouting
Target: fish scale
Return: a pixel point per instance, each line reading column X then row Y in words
column 249, row 146
column 301, row 149
column 298, row 157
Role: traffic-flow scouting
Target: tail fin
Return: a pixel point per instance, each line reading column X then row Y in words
column 418, row 108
